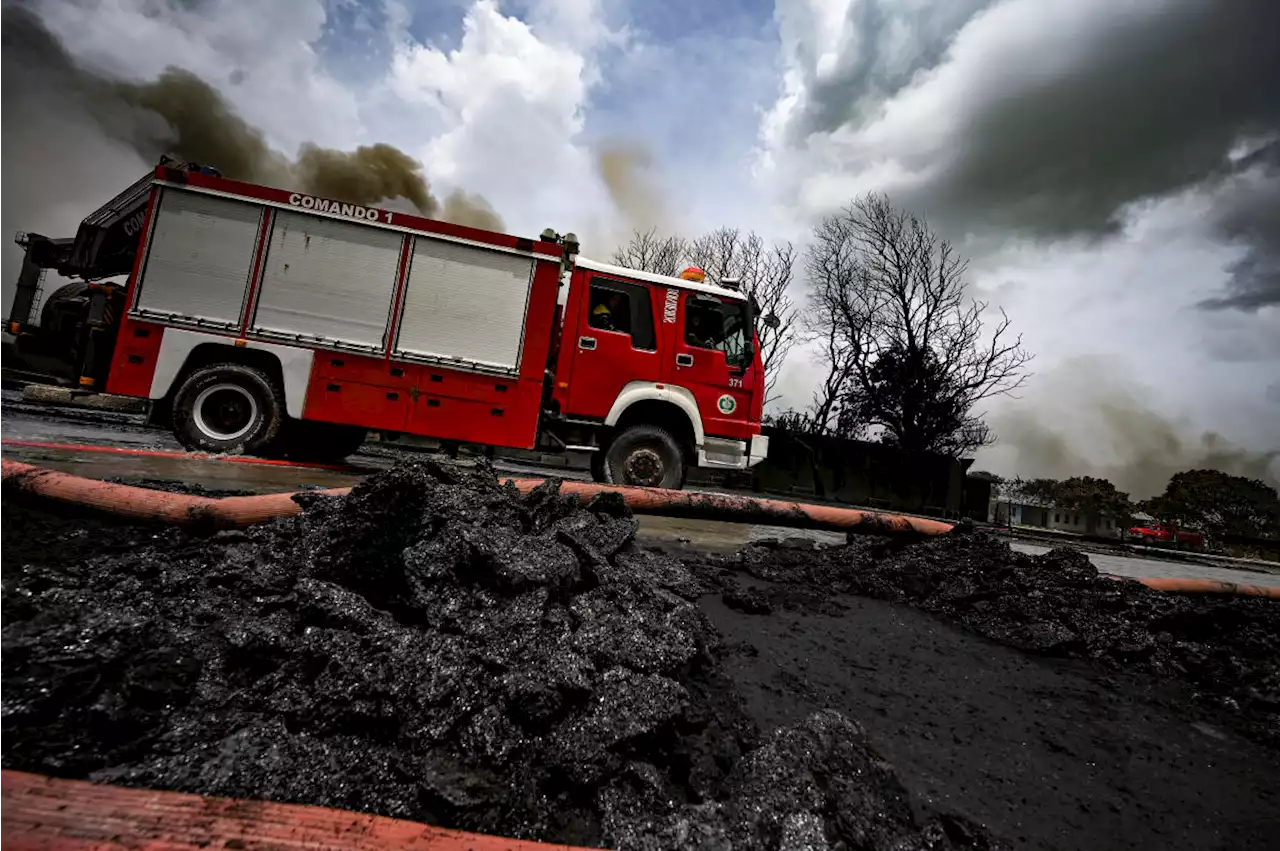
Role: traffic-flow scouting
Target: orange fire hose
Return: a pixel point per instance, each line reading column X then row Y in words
column 747, row 509
column 147, row 505
column 46, row 813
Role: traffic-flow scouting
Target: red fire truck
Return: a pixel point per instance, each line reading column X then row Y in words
column 264, row 321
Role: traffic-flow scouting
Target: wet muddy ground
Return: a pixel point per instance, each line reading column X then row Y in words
column 1050, row 752
column 454, row 654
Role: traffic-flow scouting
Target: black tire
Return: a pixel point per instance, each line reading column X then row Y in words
column 227, row 407
column 308, row 440
column 645, row 456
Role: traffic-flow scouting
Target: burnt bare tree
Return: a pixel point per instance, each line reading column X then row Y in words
column 765, row 272
column 829, row 414
column 647, row 250
column 906, row 350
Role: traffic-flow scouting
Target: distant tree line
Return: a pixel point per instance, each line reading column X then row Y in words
column 1219, row 505
column 906, row 356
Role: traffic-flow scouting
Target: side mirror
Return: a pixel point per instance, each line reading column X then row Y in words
column 771, row 320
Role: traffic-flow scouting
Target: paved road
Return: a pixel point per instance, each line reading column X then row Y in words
column 20, row 421
column 728, row 537
column 1118, row 565
column 25, row 422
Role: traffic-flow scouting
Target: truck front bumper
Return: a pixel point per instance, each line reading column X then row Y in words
column 724, row 454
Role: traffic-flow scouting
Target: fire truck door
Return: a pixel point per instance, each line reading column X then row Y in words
column 711, row 361
column 615, row 343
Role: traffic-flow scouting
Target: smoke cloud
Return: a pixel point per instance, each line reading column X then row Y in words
column 470, row 210
column 625, row 167
column 181, row 115
column 1086, row 421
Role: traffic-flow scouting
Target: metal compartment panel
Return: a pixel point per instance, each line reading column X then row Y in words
column 465, row 305
column 328, row 281
column 199, row 258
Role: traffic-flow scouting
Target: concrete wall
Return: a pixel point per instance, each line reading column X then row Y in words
column 860, row 473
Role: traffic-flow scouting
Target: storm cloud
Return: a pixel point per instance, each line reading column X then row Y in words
column 876, row 50
column 1056, row 134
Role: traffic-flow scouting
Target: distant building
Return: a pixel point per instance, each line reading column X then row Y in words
column 1047, row 516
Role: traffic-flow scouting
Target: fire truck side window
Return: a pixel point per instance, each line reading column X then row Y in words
column 624, row 308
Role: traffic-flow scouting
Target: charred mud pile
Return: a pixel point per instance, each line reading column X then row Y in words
column 438, row 648
column 1227, row 648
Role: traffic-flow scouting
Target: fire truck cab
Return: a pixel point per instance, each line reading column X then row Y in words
column 270, row 322
column 662, row 363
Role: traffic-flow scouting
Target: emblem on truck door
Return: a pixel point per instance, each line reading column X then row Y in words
column 727, row 404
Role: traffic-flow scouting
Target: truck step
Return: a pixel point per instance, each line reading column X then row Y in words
column 50, row 394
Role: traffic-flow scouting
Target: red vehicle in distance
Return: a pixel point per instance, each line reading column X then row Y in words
column 1167, row 534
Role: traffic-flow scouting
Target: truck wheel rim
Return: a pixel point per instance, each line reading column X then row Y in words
column 225, row 411
column 644, row 467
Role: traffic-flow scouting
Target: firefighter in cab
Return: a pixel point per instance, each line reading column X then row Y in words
column 609, row 314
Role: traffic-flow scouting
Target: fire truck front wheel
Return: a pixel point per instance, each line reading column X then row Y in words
column 644, row 456
column 227, row 407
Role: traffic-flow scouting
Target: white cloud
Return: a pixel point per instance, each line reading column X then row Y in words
column 512, row 103
column 581, row 25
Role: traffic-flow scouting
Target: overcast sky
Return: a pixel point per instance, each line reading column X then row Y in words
column 1111, row 166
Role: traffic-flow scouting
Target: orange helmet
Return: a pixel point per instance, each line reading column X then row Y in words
column 693, row 273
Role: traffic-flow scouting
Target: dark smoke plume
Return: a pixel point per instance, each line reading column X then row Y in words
column 180, row 114
column 1084, row 421
column 625, row 167
column 462, row 208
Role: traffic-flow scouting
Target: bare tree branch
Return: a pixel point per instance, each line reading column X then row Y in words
column 651, row 252
column 887, row 297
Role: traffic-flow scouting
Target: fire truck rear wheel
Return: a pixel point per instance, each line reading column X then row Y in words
column 227, row 407
column 644, row 456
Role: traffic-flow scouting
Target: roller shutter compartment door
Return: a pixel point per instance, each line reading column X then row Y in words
column 465, row 305
column 199, row 258
column 328, row 281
